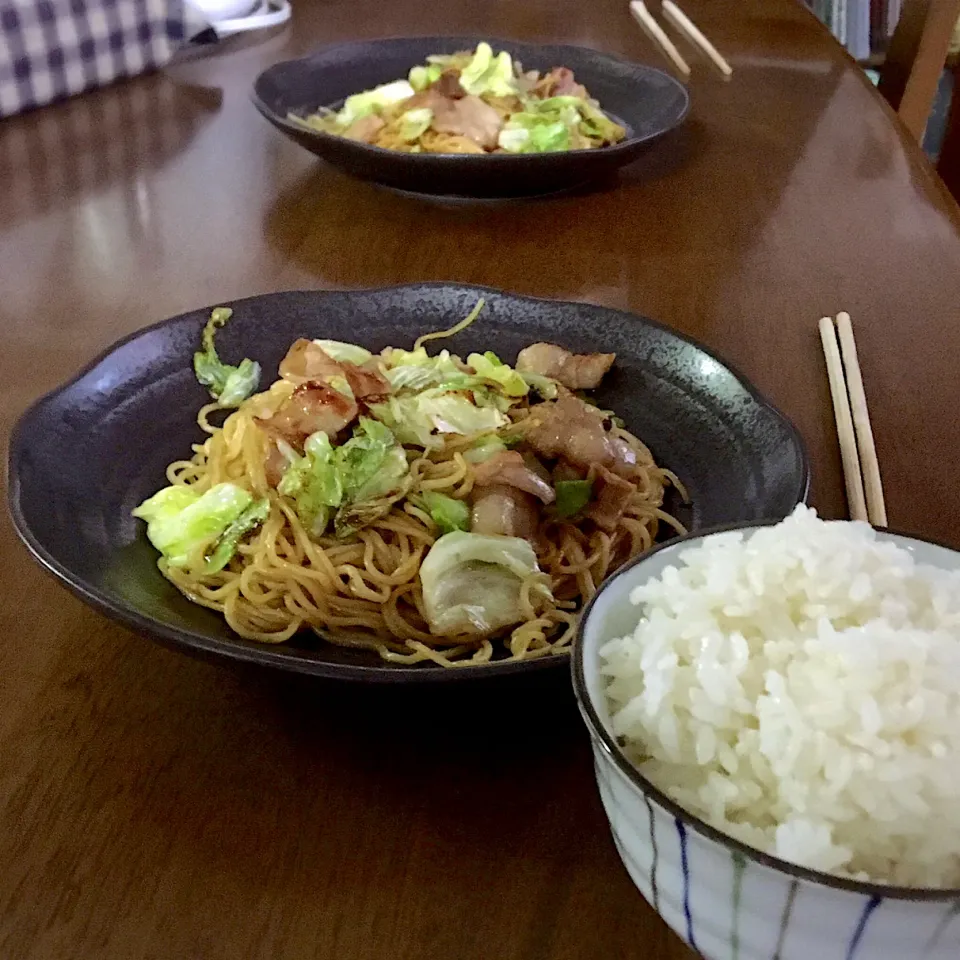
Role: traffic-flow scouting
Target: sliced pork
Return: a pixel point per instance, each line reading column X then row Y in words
column 469, row 117
column 503, row 511
column 365, row 129
column 311, row 407
column 576, row 371
column 611, row 496
column 568, row 429
column 306, row 360
column 509, row 469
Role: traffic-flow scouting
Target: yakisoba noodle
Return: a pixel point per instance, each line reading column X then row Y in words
column 364, row 590
column 474, row 101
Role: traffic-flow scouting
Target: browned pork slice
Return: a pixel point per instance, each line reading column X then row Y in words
column 311, row 407
column 503, row 511
column 576, row 371
column 306, row 360
column 469, row 117
column 509, row 469
column 505, row 493
column 559, row 82
column 568, row 429
column 611, row 495
column 448, row 85
column 365, row 129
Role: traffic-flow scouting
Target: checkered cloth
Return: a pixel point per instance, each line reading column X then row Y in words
column 50, row 49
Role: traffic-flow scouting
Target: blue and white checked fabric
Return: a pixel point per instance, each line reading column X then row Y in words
column 50, row 49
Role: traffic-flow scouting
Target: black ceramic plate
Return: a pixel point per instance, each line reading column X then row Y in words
column 648, row 102
column 85, row 455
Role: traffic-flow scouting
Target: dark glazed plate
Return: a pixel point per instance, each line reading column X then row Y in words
column 85, row 455
column 648, row 102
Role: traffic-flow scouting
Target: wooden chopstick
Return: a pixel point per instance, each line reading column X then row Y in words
column 643, row 16
column 869, row 464
column 856, row 502
column 686, row 26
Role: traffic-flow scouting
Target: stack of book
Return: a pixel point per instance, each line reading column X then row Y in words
column 864, row 27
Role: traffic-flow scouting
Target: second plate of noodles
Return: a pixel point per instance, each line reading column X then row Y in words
column 474, row 102
column 471, row 117
column 423, row 505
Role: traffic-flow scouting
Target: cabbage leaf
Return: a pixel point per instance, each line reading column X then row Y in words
column 228, row 385
column 180, row 520
column 471, row 582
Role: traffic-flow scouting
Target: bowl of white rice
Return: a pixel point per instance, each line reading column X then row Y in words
column 775, row 720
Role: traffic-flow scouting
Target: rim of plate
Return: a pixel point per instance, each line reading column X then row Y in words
column 600, row 733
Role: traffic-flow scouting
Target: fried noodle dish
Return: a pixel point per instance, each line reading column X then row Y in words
column 473, row 102
column 427, row 507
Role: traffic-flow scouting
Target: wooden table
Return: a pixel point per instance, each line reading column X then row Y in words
column 157, row 808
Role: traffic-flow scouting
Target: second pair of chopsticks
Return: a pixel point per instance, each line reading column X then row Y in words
column 861, row 470
column 686, row 26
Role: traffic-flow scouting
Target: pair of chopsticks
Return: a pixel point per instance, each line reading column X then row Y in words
column 861, row 470
column 684, row 25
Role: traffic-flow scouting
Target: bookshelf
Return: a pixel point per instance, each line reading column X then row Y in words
column 864, row 27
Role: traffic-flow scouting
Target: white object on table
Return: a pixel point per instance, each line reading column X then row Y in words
column 678, row 863
column 869, row 464
column 228, row 17
column 856, row 502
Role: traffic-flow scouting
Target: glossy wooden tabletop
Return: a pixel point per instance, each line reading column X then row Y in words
column 153, row 807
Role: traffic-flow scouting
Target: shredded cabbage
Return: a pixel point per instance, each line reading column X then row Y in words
column 229, row 386
column 489, row 366
column 372, row 101
column 314, row 483
column 485, row 448
column 489, row 74
column 414, row 123
column 344, row 352
column 446, row 512
column 421, row 77
column 416, row 419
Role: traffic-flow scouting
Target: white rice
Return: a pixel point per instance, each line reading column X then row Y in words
column 799, row 689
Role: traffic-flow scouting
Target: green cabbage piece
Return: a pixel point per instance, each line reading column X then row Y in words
column 485, row 448
column 417, row 370
column 418, row 418
column 447, row 513
column 414, row 123
column 314, row 483
column 421, row 77
column 351, row 484
column 549, row 125
column 229, row 386
column 489, row 74
column 371, row 463
column 596, row 123
column 489, row 366
column 536, row 133
column 373, row 468
column 514, row 139
column 344, row 352
column 179, row 520
column 226, row 547
column 572, row 496
column 373, row 101
column 544, row 386
column 471, row 582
